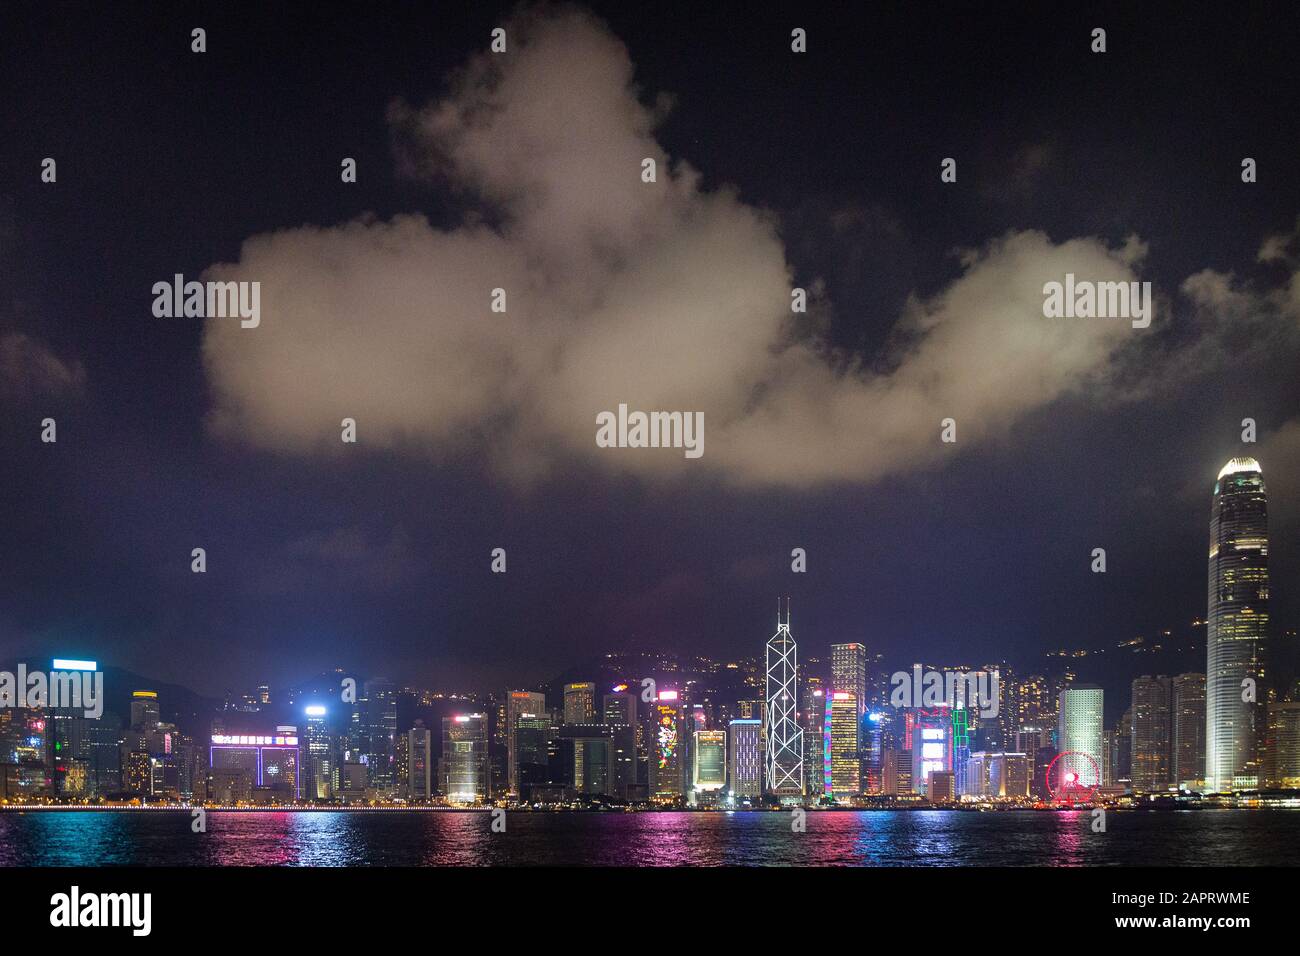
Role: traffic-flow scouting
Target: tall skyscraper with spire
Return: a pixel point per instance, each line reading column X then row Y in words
column 1237, row 634
column 784, row 735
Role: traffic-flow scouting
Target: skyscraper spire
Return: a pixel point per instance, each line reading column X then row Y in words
column 1236, row 640
column 784, row 735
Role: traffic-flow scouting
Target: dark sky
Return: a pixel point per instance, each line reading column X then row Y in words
column 377, row 558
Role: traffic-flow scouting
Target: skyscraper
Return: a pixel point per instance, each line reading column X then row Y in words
column 668, row 761
column 1079, row 735
column 784, row 736
column 419, row 763
column 745, row 763
column 464, row 771
column 580, row 703
column 518, row 703
column 1189, row 730
column 844, row 779
column 1152, row 734
column 709, row 766
column 849, row 672
column 1284, row 745
column 1237, row 628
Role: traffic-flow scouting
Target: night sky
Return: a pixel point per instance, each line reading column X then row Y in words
column 475, row 430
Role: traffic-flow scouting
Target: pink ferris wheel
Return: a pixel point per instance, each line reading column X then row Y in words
column 1073, row 777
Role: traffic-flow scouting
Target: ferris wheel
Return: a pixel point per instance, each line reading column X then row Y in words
column 1073, row 777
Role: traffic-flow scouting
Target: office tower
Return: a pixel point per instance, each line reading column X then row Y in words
column 518, row 703
column 379, row 732
column 942, row 787
column 709, row 770
column 533, row 743
column 587, row 758
column 620, row 707
column 898, row 773
column 1283, row 754
column 745, row 766
column 144, row 710
column 816, row 742
column 1079, row 735
column 580, row 703
column 1188, row 750
column 1152, row 734
column 420, row 761
column 1236, row 638
column 871, row 737
column 1031, row 701
column 784, row 735
column 849, row 672
column 464, row 770
column 318, row 780
column 667, row 760
column 928, row 735
column 845, row 768
column 999, row 776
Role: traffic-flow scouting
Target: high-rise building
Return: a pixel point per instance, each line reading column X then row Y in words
column 587, row 756
column 667, row 759
column 897, row 773
column 844, row 767
column 620, row 707
column 1188, row 748
column 929, row 736
column 464, row 770
column 999, row 776
column 1152, row 734
column 518, row 702
column 784, row 735
column 420, row 762
column 1283, row 763
column 709, row 770
column 745, row 766
column 379, row 729
column 1079, row 735
column 318, row 761
column 145, row 715
column 1237, row 628
column 533, row 741
column 849, row 672
column 942, row 787
column 580, row 703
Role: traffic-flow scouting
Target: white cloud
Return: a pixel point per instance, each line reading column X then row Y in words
column 663, row 296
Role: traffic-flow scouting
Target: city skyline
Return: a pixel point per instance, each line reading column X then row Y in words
column 476, row 429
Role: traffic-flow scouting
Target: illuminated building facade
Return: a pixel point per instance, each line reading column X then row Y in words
column 929, row 737
column 709, row 771
column 464, row 771
column 1079, row 734
column 745, row 766
column 580, row 703
column 519, row 703
column 1283, row 763
column 849, row 672
column 420, row 762
column 667, row 761
column 842, row 719
column 1188, row 750
column 784, row 735
column 1152, row 734
column 1237, row 628
column 268, row 760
